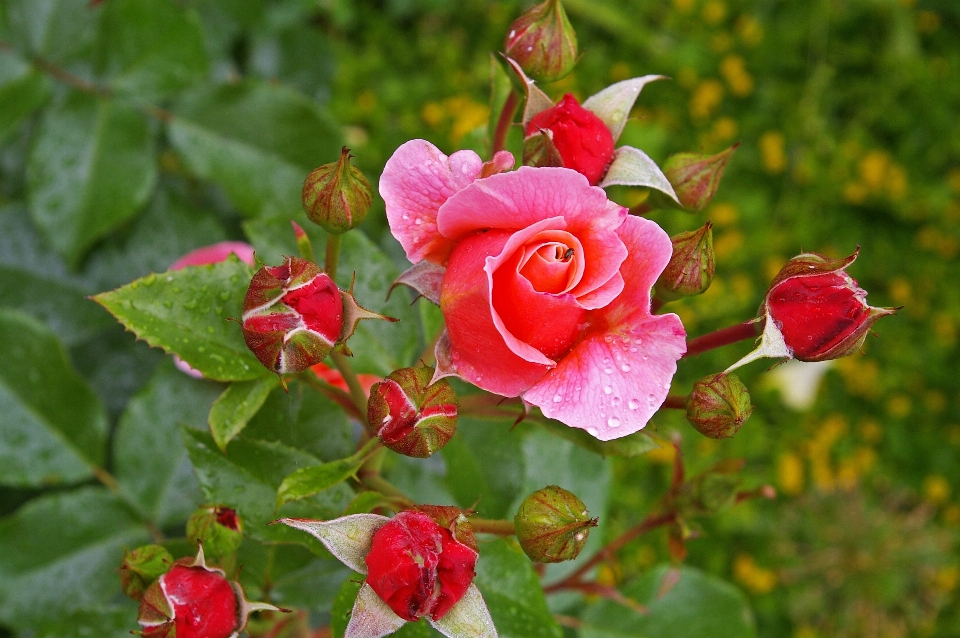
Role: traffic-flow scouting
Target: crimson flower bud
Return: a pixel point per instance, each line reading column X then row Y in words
column 410, row 415
column 141, row 567
column 292, row 315
column 218, row 528
column 718, row 405
column 419, row 567
column 691, row 267
column 552, row 525
column 543, row 42
column 193, row 600
column 695, row 177
column 819, row 309
column 582, row 140
column 337, row 196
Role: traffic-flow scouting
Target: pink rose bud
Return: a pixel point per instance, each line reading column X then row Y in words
column 411, row 416
column 583, row 141
column 217, row 528
column 718, row 405
column 695, row 177
column 193, row 600
column 819, row 309
column 543, row 42
column 292, row 315
column 141, row 567
column 552, row 525
column 691, row 268
column 419, row 567
column 337, row 196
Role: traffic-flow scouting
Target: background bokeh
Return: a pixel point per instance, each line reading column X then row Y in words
column 848, row 114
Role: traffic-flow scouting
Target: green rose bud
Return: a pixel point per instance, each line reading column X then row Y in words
column 218, row 529
column 141, row 567
column 542, row 42
column 552, row 525
column 718, row 405
column 691, row 268
column 337, row 196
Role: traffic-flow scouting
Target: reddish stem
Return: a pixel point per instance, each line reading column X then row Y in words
column 641, row 209
column 504, row 122
column 746, row 330
column 675, row 402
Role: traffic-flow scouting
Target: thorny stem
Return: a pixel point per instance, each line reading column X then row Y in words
column 504, row 122
column 500, row 527
column 746, row 330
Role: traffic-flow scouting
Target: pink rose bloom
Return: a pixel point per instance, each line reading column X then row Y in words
column 543, row 282
column 213, row 254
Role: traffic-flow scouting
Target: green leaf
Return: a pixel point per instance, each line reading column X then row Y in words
column 485, row 465
column 257, row 141
column 513, row 592
column 36, row 280
column 186, row 312
column 54, row 29
column 150, row 48
column 113, row 621
column 52, row 426
column 61, row 553
column 91, row 168
column 628, row 446
column 246, row 478
column 152, row 467
column 308, row 481
column 238, row 404
column 696, row 605
column 23, row 90
column 290, row 575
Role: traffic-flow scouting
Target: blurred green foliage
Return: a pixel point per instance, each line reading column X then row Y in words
column 134, row 131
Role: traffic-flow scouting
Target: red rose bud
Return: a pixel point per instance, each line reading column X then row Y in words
column 819, row 309
column 141, row 567
column 695, row 178
column 583, row 141
column 419, row 568
column 543, row 42
column 337, row 196
column 691, row 267
column 718, row 405
column 292, row 315
column 411, row 416
column 193, row 600
column 217, row 528
column 552, row 525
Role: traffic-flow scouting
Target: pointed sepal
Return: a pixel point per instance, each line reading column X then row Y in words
column 353, row 313
column 348, row 538
column 614, row 103
column 469, row 618
column 633, row 167
column 371, row 617
column 536, row 100
column 425, row 277
column 771, row 345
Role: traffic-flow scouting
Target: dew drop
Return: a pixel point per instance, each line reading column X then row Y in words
column 608, row 370
column 592, row 431
column 613, row 422
column 406, row 216
column 625, row 367
column 633, row 348
column 633, row 404
column 418, row 221
column 607, row 389
column 608, row 339
column 557, row 398
column 615, row 402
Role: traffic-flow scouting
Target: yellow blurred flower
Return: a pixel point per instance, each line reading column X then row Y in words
column 714, row 11
column 706, row 98
column 790, row 473
column 684, row 6
column 945, row 329
column 748, row 573
column 899, row 406
column 724, row 214
column 749, row 30
column 947, row 579
column 901, row 291
column 772, row 152
column 734, row 70
column 855, row 192
column 726, row 244
column 953, row 180
column 936, row 489
column 620, row 71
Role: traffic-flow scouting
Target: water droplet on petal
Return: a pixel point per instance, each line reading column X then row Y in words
column 607, row 389
column 592, row 431
column 608, row 370
column 625, row 367
column 633, row 404
column 613, row 422
column 557, row 398
column 615, row 402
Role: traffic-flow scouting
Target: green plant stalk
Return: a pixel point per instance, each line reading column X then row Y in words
column 499, row 527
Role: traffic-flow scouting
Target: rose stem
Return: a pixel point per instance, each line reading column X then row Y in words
column 726, row 336
column 648, row 524
column 675, row 402
column 500, row 527
column 385, row 487
column 504, row 122
column 332, row 256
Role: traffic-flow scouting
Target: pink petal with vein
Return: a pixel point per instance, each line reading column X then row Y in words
column 416, row 182
column 614, row 380
column 214, row 254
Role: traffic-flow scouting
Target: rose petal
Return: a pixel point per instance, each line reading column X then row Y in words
column 478, row 348
column 416, row 181
column 613, row 381
column 371, row 617
column 214, row 254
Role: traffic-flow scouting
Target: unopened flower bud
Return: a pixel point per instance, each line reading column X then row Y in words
column 141, row 567
column 543, row 42
column 552, row 525
column 583, row 141
column 218, row 528
column 691, row 268
column 718, row 405
column 193, row 600
column 292, row 315
column 410, row 415
column 337, row 196
column 418, row 567
column 695, row 177
column 819, row 309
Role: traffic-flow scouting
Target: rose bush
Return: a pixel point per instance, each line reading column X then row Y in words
column 544, row 284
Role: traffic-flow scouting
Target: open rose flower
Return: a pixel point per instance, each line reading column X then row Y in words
column 418, row 564
column 543, row 282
